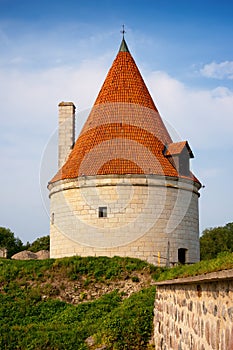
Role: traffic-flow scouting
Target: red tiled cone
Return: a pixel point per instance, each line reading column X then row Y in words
column 124, row 133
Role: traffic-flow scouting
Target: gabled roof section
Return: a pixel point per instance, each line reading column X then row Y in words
column 176, row 148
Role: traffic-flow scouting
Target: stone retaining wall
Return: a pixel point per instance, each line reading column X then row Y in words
column 195, row 313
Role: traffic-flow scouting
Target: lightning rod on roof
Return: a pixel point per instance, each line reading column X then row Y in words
column 123, row 30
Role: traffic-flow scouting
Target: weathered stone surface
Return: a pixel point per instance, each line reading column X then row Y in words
column 42, row 254
column 90, row 341
column 28, row 255
column 24, row 255
column 204, row 322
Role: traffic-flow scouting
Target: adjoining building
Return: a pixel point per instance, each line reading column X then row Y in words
column 124, row 187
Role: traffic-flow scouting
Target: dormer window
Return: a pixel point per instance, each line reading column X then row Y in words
column 179, row 154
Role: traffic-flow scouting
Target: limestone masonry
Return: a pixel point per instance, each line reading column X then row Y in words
column 124, row 187
column 195, row 313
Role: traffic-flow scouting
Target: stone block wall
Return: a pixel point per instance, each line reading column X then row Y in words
column 143, row 215
column 195, row 313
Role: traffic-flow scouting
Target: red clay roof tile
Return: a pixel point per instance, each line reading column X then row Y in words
column 178, row 147
column 124, row 133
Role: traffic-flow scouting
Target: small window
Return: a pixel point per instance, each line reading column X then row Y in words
column 102, row 212
column 52, row 218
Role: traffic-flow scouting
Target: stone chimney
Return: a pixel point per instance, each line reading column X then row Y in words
column 66, row 136
column 66, row 133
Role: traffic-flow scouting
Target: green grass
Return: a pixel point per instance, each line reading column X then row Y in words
column 54, row 324
column 99, row 269
column 28, row 321
column 224, row 261
column 129, row 326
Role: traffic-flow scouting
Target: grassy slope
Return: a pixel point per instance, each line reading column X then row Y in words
column 224, row 261
column 34, row 313
column 58, row 304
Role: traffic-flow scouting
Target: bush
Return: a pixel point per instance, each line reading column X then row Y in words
column 36, row 324
column 129, row 326
column 30, row 321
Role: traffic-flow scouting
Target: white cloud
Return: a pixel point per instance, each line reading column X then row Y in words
column 203, row 117
column 30, row 99
column 222, row 70
column 28, row 115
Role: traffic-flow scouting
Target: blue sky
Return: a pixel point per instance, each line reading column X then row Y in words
column 61, row 50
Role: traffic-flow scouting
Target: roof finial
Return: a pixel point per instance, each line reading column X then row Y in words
column 123, row 47
column 123, row 30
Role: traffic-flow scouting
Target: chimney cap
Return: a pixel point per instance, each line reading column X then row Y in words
column 62, row 104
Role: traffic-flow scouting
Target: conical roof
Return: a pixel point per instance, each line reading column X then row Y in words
column 124, row 82
column 124, row 133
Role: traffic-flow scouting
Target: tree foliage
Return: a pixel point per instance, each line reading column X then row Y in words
column 14, row 244
column 10, row 242
column 41, row 243
column 216, row 240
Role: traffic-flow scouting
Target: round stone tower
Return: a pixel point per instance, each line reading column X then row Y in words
column 123, row 188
